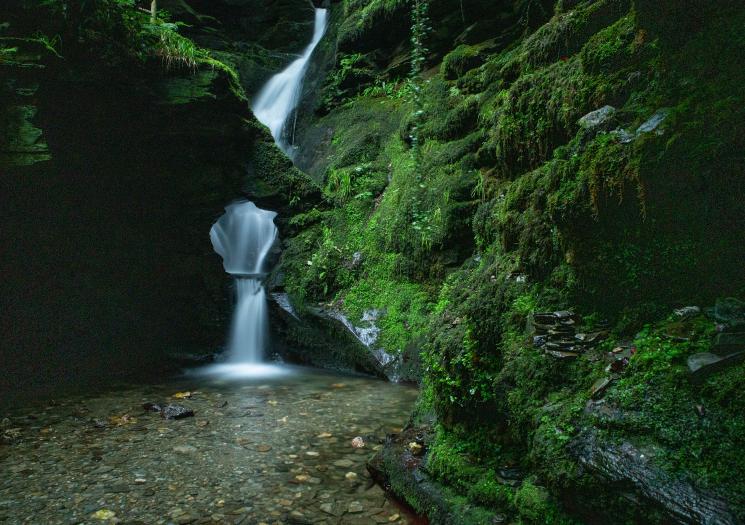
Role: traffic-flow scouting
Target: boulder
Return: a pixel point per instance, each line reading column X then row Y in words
column 645, row 484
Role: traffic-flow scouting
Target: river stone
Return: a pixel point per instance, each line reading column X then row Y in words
column 184, row 449
column 355, row 507
column 176, row 412
column 343, row 463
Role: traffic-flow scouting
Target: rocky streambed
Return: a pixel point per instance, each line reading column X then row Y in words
column 287, row 450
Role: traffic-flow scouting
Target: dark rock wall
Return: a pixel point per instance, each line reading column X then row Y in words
column 112, row 171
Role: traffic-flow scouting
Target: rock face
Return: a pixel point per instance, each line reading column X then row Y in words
column 633, row 474
column 326, row 338
column 113, row 171
column 399, row 468
column 505, row 183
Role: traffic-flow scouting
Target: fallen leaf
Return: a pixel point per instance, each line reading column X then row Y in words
column 103, row 514
column 182, row 395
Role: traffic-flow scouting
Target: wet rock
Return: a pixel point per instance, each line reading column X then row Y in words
column 626, row 465
column 687, row 311
column 184, row 449
column 597, row 118
column 731, row 313
column 623, row 136
column 703, row 364
column 332, row 509
column 555, row 332
column 355, row 507
column 599, row 387
column 510, row 473
column 176, row 412
column 358, row 442
column 727, row 343
column 653, row 123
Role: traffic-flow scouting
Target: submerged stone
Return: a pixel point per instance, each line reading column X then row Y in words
column 176, row 412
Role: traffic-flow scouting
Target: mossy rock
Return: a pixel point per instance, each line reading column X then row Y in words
column 460, row 60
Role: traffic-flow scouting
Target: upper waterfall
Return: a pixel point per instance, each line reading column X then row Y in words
column 280, row 96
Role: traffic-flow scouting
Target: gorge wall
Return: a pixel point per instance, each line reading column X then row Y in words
column 504, row 202
column 482, row 163
column 122, row 142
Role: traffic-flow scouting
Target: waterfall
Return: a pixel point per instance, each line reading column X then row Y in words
column 243, row 237
column 281, row 95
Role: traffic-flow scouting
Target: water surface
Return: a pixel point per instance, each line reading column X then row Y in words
column 258, row 450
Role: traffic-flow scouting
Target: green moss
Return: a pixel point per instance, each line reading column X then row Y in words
column 491, row 202
column 460, row 60
column 536, row 506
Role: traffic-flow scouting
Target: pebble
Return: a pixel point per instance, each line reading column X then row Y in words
column 355, row 507
column 225, row 467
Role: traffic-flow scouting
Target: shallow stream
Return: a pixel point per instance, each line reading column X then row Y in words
column 270, row 451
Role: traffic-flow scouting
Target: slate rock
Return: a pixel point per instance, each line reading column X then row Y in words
column 176, row 412
column 727, row 343
column 653, row 123
column 703, row 364
column 624, row 464
column 597, row 118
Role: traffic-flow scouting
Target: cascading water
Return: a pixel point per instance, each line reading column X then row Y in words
column 281, row 95
column 243, row 237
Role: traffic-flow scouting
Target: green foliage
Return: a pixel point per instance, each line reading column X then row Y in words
column 535, row 506
column 492, row 202
column 460, row 60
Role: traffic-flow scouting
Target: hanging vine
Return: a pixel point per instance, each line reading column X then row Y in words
column 420, row 28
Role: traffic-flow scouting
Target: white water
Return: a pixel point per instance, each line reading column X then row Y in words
column 281, row 95
column 243, row 237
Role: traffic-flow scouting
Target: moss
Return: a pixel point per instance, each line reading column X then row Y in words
column 461, row 59
column 363, row 25
column 535, row 506
column 491, row 202
column 567, row 32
